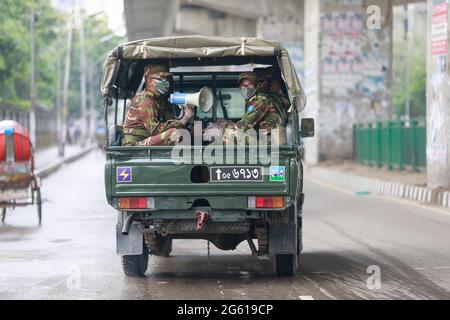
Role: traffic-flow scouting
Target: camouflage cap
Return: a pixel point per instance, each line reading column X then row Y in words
column 156, row 71
column 249, row 76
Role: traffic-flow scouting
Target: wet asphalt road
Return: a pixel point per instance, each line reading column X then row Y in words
column 72, row 255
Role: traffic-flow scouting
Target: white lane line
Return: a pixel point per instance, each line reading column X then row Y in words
column 306, row 297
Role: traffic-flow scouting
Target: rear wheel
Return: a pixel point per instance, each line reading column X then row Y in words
column 136, row 265
column 299, row 245
column 160, row 246
column 3, row 215
column 285, row 265
column 165, row 248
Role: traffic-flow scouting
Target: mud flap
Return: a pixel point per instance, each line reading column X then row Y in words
column 283, row 233
column 131, row 244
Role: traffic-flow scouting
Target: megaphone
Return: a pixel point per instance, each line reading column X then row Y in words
column 204, row 99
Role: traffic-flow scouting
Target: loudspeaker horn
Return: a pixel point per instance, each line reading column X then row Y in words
column 204, row 99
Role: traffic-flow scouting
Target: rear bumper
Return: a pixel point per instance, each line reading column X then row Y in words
column 183, row 206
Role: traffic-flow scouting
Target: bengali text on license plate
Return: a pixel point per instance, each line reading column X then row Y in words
column 224, row 174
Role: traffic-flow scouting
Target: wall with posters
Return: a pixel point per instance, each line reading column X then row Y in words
column 284, row 22
column 355, row 73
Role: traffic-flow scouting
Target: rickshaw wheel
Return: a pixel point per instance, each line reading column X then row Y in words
column 39, row 204
column 3, row 215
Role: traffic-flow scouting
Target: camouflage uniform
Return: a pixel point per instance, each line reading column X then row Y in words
column 148, row 121
column 144, row 124
column 265, row 111
column 273, row 77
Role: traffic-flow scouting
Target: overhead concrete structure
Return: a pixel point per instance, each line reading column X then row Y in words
column 156, row 18
column 149, row 19
column 216, row 18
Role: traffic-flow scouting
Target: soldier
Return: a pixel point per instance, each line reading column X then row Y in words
column 272, row 87
column 148, row 122
column 262, row 111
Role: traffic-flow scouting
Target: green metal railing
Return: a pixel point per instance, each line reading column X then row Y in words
column 391, row 144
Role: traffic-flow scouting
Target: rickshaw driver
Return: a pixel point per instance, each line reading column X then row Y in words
column 147, row 121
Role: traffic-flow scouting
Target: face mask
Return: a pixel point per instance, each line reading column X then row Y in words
column 162, row 86
column 247, row 92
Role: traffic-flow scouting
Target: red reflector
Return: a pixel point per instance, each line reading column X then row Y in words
column 133, row 203
column 260, row 202
column 270, row 202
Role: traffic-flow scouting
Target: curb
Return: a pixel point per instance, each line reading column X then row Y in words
column 366, row 186
column 46, row 171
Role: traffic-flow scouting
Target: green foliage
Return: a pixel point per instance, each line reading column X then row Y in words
column 15, row 52
column 412, row 59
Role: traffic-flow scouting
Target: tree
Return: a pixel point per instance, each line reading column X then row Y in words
column 15, row 53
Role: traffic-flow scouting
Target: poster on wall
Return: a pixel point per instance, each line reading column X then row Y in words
column 439, row 27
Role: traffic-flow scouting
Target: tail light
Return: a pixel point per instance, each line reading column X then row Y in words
column 136, row 203
column 271, row 202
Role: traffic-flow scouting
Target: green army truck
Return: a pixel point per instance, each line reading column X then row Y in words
column 245, row 192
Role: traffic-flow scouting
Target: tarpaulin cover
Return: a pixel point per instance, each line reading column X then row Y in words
column 202, row 47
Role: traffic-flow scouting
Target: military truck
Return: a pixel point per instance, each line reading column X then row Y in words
column 214, row 197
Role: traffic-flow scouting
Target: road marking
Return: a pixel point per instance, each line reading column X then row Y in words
column 306, row 297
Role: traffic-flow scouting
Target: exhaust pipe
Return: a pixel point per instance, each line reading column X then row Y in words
column 127, row 224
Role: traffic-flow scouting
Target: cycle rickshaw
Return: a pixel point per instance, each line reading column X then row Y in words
column 19, row 186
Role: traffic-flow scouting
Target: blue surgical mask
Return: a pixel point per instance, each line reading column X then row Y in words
column 247, row 92
column 162, row 86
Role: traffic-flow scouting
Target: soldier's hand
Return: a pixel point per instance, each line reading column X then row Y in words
column 188, row 115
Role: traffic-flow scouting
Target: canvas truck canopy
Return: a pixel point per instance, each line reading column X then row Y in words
column 125, row 63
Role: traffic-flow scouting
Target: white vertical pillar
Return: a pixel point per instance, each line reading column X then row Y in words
column 438, row 106
column 311, row 82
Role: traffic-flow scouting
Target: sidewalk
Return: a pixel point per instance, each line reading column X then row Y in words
column 47, row 160
column 369, row 180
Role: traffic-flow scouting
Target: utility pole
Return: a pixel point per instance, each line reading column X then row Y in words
column 58, row 102
column 63, row 133
column 83, row 108
column 408, row 71
column 33, row 92
column 92, row 124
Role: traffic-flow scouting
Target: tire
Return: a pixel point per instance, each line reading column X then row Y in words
column 299, row 245
column 162, row 246
column 136, row 266
column 39, row 205
column 166, row 248
column 3, row 215
column 285, row 265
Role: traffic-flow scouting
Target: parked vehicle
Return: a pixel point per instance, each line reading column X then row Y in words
column 19, row 186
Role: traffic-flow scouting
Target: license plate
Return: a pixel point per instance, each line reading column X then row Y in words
column 238, row 174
